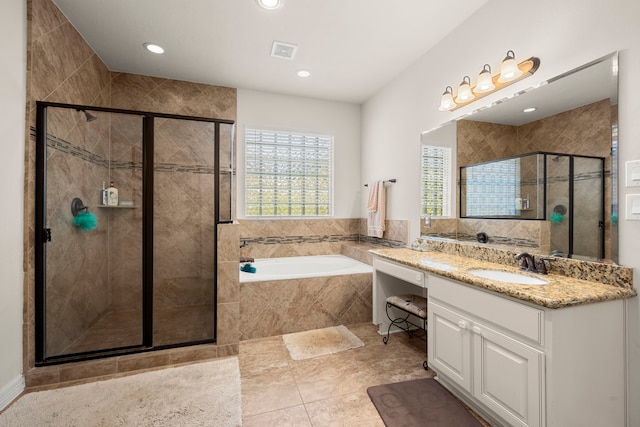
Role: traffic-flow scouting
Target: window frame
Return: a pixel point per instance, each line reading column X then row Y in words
column 250, row 138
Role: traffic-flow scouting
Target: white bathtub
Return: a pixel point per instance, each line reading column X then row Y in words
column 301, row 267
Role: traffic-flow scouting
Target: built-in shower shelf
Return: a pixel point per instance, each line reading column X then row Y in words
column 117, row 207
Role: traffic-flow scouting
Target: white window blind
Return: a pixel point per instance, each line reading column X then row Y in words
column 288, row 174
column 435, row 181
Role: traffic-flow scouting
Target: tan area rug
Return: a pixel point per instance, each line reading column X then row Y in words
column 419, row 403
column 202, row 394
column 320, row 342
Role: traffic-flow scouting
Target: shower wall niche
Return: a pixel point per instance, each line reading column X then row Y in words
column 144, row 278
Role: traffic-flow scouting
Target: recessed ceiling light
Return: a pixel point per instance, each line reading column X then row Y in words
column 269, row 4
column 154, row 48
column 303, row 73
column 529, row 110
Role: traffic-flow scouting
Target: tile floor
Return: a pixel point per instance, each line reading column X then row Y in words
column 324, row 391
column 172, row 326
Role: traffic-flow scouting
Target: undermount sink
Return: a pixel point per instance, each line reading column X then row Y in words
column 505, row 276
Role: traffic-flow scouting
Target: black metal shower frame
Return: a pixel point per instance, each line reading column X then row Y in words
column 42, row 234
column 544, row 201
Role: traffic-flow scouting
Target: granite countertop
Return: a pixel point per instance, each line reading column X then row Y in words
column 560, row 291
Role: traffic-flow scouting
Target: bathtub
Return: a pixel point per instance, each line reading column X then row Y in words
column 302, row 267
column 296, row 294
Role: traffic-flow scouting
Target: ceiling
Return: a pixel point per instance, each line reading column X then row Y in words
column 351, row 47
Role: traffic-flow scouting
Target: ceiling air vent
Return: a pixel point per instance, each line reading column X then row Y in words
column 283, row 50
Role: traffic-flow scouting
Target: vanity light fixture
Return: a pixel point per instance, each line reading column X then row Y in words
column 510, row 72
column 269, row 4
column 154, row 48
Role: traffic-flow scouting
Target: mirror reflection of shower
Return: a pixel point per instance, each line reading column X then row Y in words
column 575, row 205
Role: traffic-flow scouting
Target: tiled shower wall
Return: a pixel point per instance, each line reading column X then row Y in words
column 61, row 67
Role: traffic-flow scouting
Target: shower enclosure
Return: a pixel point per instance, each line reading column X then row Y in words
column 565, row 189
column 144, row 277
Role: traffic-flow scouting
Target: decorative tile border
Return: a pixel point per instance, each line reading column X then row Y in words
column 69, row 148
column 288, row 240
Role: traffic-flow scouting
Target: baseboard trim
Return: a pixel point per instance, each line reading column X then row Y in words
column 11, row 390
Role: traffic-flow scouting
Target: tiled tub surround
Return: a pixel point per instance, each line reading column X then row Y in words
column 277, row 238
column 584, row 283
column 61, row 67
column 279, row 307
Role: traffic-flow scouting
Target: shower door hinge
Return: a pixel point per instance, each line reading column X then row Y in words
column 47, row 235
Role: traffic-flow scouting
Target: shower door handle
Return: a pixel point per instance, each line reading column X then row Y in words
column 46, row 235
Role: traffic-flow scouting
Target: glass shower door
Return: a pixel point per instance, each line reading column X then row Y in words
column 184, row 249
column 588, row 203
column 92, row 253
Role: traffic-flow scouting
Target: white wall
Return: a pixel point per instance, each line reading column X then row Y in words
column 291, row 113
column 563, row 35
column 12, row 122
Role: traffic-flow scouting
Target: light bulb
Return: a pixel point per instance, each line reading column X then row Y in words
column 447, row 102
column 485, row 81
column 509, row 69
column 464, row 90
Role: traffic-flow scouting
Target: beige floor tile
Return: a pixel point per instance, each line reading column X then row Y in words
column 263, row 354
column 268, row 390
column 329, row 376
column 353, row 409
column 324, row 391
column 289, row 417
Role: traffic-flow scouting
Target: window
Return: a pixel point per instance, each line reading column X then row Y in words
column 436, row 181
column 492, row 188
column 288, row 174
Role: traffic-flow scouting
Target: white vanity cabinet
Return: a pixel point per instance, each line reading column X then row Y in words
column 522, row 365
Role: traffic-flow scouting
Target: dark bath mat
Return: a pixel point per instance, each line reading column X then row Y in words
column 419, row 403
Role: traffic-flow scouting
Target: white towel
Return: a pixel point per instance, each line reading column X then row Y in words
column 372, row 203
column 375, row 218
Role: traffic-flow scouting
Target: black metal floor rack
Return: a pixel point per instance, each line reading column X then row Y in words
column 414, row 306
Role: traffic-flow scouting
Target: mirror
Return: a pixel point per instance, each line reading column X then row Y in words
column 575, row 120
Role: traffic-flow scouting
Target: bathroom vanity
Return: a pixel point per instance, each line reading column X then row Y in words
column 518, row 354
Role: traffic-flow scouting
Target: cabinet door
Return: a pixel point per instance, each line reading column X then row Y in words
column 508, row 377
column 449, row 349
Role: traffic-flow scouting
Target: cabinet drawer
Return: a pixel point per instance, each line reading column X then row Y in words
column 405, row 273
column 520, row 319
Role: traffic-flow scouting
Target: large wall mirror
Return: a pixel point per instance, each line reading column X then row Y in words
column 556, row 164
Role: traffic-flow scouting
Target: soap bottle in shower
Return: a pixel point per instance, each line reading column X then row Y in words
column 103, row 195
column 112, row 195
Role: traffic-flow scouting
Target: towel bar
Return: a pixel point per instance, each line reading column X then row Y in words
column 387, row 180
